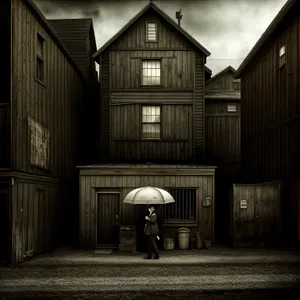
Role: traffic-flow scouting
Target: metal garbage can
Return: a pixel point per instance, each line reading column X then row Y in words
column 183, row 238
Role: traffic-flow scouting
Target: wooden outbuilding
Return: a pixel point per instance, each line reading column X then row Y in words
column 270, row 114
column 40, row 129
column 103, row 188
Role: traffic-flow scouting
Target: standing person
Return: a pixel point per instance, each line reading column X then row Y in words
column 151, row 231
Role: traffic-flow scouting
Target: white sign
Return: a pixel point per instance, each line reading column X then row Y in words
column 243, row 204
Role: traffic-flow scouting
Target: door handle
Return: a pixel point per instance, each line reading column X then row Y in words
column 117, row 219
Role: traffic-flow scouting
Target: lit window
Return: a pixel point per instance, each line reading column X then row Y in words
column 151, row 72
column 281, row 56
column 231, row 107
column 151, row 32
column 151, row 122
column 40, row 58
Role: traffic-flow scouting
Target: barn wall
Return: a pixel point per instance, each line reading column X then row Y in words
column 199, row 108
column 52, row 103
column 222, row 149
column 135, row 36
column 176, row 143
column 89, row 185
column 271, row 108
column 260, row 223
column 222, row 137
column 177, row 68
column 4, row 136
column 37, row 216
column 223, row 82
column 5, row 22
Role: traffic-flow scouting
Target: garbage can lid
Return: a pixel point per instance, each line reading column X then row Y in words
column 183, row 229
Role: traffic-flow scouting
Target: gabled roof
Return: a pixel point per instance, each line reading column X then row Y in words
column 55, row 36
column 229, row 68
column 207, row 70
column 74, row 33
column 160, row 12
column 290, row 4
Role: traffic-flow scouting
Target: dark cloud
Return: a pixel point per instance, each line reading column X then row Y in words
column 227, row 28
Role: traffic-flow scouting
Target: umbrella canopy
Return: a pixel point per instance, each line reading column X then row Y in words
column 148, row 195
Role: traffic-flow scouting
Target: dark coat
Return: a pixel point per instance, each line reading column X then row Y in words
column 151, row 227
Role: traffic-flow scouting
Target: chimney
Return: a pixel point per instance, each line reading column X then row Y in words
column 178, row 16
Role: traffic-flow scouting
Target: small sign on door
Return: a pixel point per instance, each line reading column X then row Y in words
column 243, row 203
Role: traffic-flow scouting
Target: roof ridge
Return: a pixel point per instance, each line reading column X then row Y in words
column 163, row 15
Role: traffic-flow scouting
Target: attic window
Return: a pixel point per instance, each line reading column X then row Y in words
column 231, row 107
column 151, row 32
column 282, row 56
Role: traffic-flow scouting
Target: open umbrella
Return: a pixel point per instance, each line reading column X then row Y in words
column 148, row 195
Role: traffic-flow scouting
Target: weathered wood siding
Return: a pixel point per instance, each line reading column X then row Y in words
column 89, row 185
column 167, row 37
column 177, row 133
column 222, row 138
column 260, row 222
column 5, row 21
column 52, row 104
column 182, row 80
column 270, row 106
column 37, row 214
column 177, row 68
column 223, row 82
column 199, row 108
column 4, row 136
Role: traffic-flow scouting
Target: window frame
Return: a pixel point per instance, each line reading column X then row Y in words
column 142, row 123
column 40, row 59
column 282, row 57
column 142, row 75
column 156, row 32
column 231, row 111
column 179, row 222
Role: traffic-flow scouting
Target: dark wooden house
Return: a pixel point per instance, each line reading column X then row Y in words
column 222, row 140
column 151, row 120
column 40, row 131
column 270, row 122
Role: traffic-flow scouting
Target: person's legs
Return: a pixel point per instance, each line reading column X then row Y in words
column 149, row 247
column 154, row 246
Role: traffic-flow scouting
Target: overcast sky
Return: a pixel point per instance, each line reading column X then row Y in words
column 227, row 28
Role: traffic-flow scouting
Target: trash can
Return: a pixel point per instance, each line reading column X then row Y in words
column 169, row 244
column 183, row 238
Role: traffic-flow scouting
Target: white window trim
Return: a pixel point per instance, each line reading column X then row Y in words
column 142, row 123
column 147, row 39
column 151, row 60
column 231, row 107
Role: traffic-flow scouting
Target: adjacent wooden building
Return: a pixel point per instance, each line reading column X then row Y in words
column 270, row 122
column 222, row 140
column 40, row 132
column 151, row 117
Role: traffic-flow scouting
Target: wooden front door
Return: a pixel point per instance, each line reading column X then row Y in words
column 256, row 214
column 107, row 220
column 4, row 226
